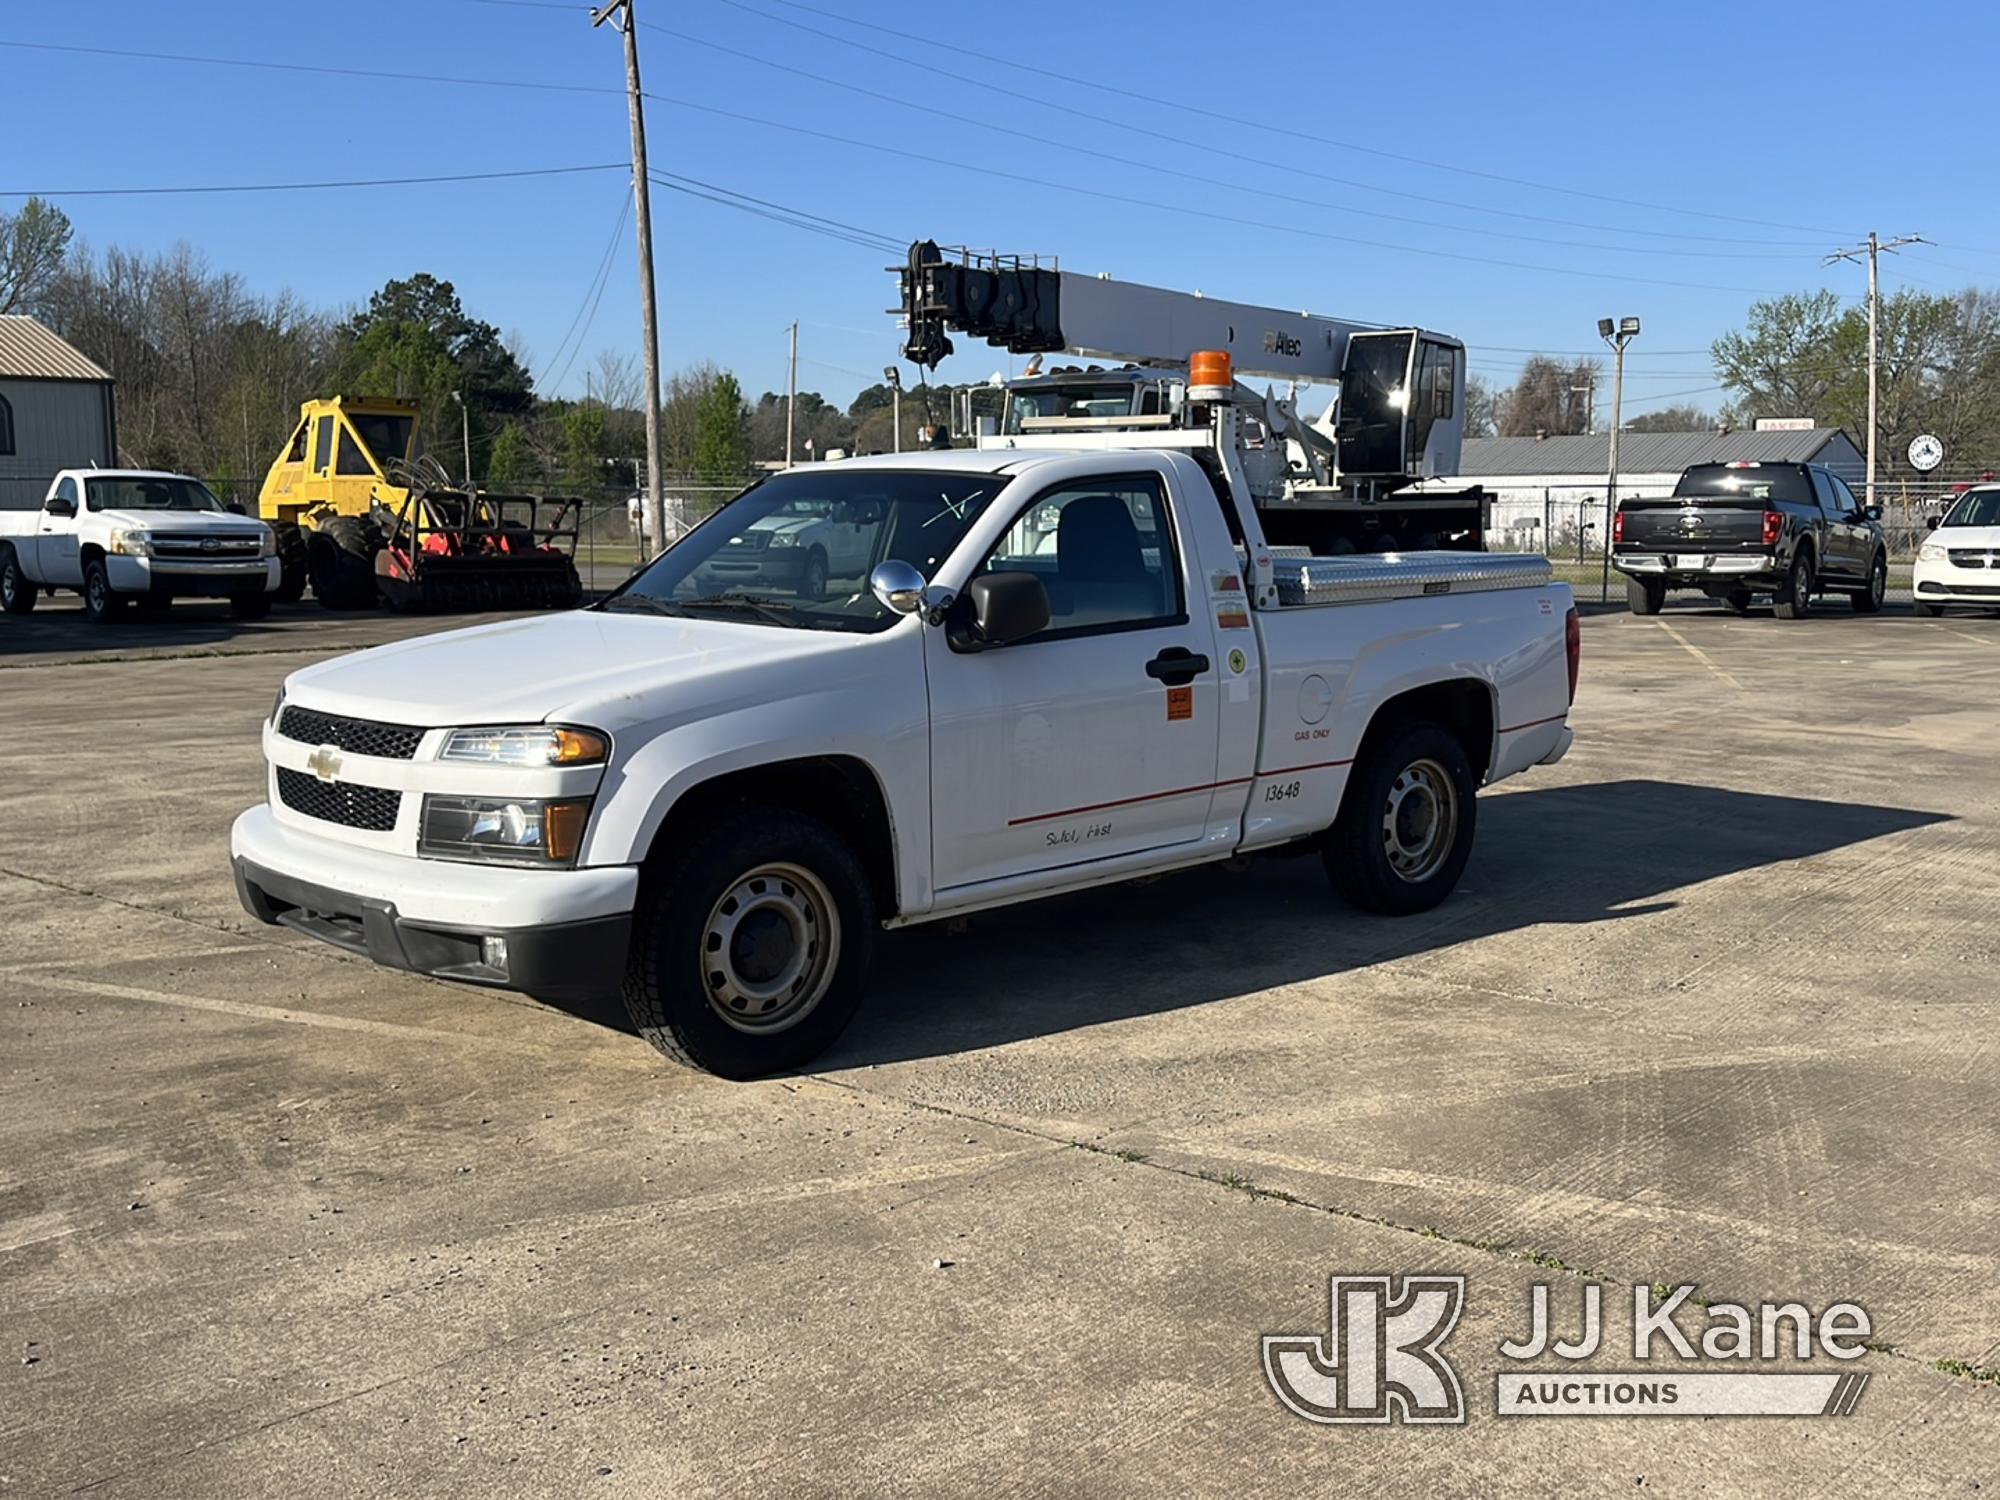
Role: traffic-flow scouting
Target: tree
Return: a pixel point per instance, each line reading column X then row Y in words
column 512, row 465
column 1548, row 397
column 33, row 243
column 583, row 445
column 1681, row 418
column 722, row 445
column 1480, row 404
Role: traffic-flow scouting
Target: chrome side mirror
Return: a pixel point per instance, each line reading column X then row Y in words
column 899, row 587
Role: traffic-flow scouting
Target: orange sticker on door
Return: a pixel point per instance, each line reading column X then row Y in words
column 1180, row 703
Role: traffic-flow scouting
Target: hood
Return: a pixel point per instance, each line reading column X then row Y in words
column 1967, row 538
column 179, row 520
column 587, row 666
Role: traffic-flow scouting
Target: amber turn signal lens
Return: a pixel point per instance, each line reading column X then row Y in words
column 562, row 829
column 579, row 747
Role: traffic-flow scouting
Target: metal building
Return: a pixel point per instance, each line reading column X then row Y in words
column 57, row 411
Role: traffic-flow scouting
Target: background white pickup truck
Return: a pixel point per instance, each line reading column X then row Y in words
column 1065, row 669
column 122, row 535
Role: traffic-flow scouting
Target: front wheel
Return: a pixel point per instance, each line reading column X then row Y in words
column 291, row 542
column 17, row 594
column 1405, row 827
column 1868, row 601
column 101, row 602
column 813, row 585
column 1794, row 600
column 750, row 953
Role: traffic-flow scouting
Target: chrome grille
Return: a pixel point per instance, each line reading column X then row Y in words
column 356, row 736
column 234, row 547
column 372, row 808
column 1963, row 558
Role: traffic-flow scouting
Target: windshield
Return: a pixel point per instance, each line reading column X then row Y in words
column 1746, row 482
column 1980, row 508
column 797, row 549
column 388, row 438
column 1114, row 400
column 149, row 494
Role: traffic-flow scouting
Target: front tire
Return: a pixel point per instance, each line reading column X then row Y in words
column 1868, row 601
column 291, row 561
column 1645, row 596
column 1794, row 600
column 1406, row 823
column 341, row 556
column 813, row 584
column 17, row 594
column 101, row 603
column 750, row 952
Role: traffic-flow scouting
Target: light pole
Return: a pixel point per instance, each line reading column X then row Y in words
column 465, row 433
column 895, row 378
column 1617, row 335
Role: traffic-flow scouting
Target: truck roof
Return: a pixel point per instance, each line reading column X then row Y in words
column 89, row 473
column 973, row 460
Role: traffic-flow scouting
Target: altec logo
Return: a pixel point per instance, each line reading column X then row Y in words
column 1379, row 1361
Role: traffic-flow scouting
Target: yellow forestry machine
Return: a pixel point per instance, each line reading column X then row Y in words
column 364, row 519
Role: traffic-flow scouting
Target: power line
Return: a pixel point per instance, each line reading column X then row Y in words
column 879, row 244
column 590, row 299
column 306, row 187
column 1182, row 107
column 285, row 67
column 1262, row 224
column 1076, row 148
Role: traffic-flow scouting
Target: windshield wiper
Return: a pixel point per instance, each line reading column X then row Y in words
column 640, row 604
column 771, row 610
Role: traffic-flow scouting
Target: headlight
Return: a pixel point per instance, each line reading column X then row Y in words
column 528, row 745
column 1931, row 552
column 132, row 543
column 268, row 547
column 784, row 539
column 506, row 830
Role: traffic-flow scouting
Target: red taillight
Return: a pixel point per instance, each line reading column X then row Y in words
column 1573, row 644
column 1774, row 525
column 1618, row 527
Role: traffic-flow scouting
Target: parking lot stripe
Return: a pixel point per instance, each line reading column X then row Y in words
column 1700, row 655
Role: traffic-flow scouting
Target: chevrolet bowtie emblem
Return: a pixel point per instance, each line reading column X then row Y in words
column 324, row 763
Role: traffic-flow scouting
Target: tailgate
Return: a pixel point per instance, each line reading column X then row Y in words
column 1692, row 523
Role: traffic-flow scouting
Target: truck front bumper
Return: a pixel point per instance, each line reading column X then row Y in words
column 559, row 934
column 165, row 579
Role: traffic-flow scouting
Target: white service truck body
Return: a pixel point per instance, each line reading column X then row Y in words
column 118, row 535
column 710, row 799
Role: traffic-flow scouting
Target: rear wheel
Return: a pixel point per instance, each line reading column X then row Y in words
column 341, row 558
column 101, row 602
column 1406, row 822
column 1869, row 600
column 291, row 562
column 1794, row 600
column 750, row 953
column 17, row 594
column 1645, row 596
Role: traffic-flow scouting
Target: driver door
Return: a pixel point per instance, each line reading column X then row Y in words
column 1098, row 736
column 56, row 558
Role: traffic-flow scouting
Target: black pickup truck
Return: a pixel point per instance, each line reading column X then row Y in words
column 1736, row 530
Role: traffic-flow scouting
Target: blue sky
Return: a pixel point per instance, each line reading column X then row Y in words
column 1748, row 128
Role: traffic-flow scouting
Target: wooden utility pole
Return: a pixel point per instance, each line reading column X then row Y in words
column 1873, row 250
column 654, row 523
column 791, row 394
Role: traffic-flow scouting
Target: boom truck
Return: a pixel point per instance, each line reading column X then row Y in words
column 1069, row 658
column 1336, row 484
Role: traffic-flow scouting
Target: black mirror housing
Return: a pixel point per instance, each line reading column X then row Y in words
column 1931, row 522
column 1873, row 512
column 58, row 506
column 1005, row 607
column 235, row 508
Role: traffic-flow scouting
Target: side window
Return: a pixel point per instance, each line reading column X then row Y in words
column 1104, row 549
column 1823, row 492
column 352, row 459
column 1848, row 503
column 66, row 490
column 323, row 444
column 296, row 454
column 6, row 426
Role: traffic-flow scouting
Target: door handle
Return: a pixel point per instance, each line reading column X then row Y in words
column 1177, row 665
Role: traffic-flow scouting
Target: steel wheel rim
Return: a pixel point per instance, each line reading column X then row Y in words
column 769, row 948
column 99, row 588
column 1420, row 820
column 10, row 582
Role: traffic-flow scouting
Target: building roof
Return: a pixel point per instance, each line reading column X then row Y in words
column 1641, row 452
column 29, row 351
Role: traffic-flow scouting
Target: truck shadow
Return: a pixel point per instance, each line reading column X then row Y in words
column 1563, row 855
column 58, row 627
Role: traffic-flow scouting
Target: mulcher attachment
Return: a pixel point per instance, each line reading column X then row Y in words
column 453, row 550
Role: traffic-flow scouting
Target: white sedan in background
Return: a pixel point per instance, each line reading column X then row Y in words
column 1959, row 563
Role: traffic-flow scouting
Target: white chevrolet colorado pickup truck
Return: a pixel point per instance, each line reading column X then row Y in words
column 1064, row 669
column 123, row 535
